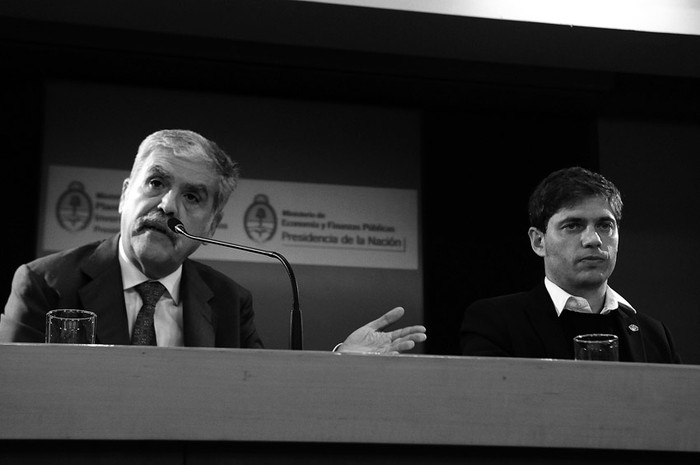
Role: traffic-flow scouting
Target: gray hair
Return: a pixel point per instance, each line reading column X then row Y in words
column 184, row 142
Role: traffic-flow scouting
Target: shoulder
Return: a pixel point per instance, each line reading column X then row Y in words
column 507, row 301
column 68, row 259
column 217, row 281
column 514, row 307
column 658, row 341
column 649, row 322
column 59, row 275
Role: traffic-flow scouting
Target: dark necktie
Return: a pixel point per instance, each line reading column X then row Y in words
column 144, row 329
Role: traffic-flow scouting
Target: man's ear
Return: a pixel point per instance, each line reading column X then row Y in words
column 215, row 223
column 125, row 184
column 536, row 240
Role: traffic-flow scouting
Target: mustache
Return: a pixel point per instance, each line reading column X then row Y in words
column 158, row 222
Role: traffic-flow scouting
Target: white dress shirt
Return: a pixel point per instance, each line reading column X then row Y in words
column 563, row 300
column 168, row 315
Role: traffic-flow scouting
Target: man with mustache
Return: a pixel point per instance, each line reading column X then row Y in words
column 180, row 174
column 575, row 216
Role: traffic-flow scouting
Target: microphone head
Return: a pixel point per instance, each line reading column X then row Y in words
column 173, row 223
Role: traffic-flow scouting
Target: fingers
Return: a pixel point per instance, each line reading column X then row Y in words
column 405, row 345
column 402, row 345
column 412, row 338
column 417, row 330
column 407, row 342
column 399, row 340
column 388, row 318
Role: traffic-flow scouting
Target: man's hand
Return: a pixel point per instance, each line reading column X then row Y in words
column 368, row 339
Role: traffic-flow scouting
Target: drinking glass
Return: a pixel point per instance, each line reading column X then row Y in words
column 70, row 326
column 596, row 347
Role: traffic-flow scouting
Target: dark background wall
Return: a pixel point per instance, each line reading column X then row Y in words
column 502, row 103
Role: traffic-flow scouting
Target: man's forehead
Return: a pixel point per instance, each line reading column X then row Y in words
column 585, row 210
column 193, row 175
column 190, row 165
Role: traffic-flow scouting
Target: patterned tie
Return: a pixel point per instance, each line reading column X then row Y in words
column 144, row 329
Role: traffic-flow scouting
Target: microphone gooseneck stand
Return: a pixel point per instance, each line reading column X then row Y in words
column 295, row 323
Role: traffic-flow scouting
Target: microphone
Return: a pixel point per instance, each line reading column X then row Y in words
column 295, row 324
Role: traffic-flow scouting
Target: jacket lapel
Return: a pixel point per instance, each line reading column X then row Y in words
column 197, row 318
column 104, row 294
column 631, row 334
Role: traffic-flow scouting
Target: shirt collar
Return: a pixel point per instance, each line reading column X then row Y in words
column 563, row 300
column 132, row 276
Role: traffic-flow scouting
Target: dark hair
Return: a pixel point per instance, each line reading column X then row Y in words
column 567, row 187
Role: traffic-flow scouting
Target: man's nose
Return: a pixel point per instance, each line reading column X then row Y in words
column 168, row 203
column 590, row 237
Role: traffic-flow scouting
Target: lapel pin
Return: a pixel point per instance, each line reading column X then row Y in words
column 634, row 328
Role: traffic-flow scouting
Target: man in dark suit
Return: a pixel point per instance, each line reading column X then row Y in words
column 180, row 174
column 574, row 220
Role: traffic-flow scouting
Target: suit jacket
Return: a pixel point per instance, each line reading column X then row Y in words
column 526, row 324
column 217, row 312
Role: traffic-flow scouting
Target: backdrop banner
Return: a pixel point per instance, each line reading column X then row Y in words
column 314, row 224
